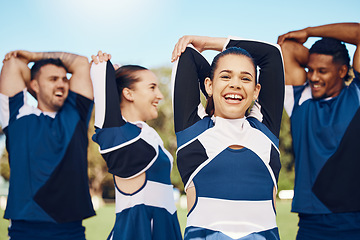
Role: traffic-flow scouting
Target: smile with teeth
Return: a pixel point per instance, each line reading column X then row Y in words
column 59, row 93
column 233, row 97
column 316, row 84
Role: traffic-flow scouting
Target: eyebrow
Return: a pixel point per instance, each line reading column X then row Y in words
column 53, row 76
column 319, row 68
column 242, row 72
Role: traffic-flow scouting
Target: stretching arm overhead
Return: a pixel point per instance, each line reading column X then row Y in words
column 268, row 58
column 189, row 72
column 77, row 65
column 346, row 32
column 296, row 57
column 200, row 43
column 15, row 75
column 127, row 155
column 107, row 104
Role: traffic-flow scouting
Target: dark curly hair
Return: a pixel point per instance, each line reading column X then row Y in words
column 335, row 48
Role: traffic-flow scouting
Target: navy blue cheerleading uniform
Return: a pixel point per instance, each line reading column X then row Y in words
column 129, row 150
column 48, row 165
column 234, row 188
column 325, row 140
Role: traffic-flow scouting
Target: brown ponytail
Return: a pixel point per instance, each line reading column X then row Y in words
column 210, row 108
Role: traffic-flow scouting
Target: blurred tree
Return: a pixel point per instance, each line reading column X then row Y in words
column 164, row 124
column 4, row 166
column 4, row 163
column 287, row 174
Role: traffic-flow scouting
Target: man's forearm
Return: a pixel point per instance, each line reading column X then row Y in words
column 346, row 32
column 70, row 60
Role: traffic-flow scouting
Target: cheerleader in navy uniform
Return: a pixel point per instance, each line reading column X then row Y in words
column 228, row 154
column 133, row 151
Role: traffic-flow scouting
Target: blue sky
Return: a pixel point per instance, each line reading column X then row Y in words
column 144, row 31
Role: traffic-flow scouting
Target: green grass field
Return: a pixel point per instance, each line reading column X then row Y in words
column 98, row 227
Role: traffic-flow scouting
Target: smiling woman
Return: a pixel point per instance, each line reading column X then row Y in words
column 228, row 160
column 133, row 151
column 234, row 86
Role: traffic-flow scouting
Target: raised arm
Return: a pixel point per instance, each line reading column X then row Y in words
column 126, row 156
column 77, row 65
column 200, row 43
column 296, row 57
column 189, row 72
column 15, row 75
column 346, row 32
column 271, row 78
column 107, row 104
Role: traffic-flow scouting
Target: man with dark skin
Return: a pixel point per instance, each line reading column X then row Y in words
column 49, row 192
column 325, row 127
